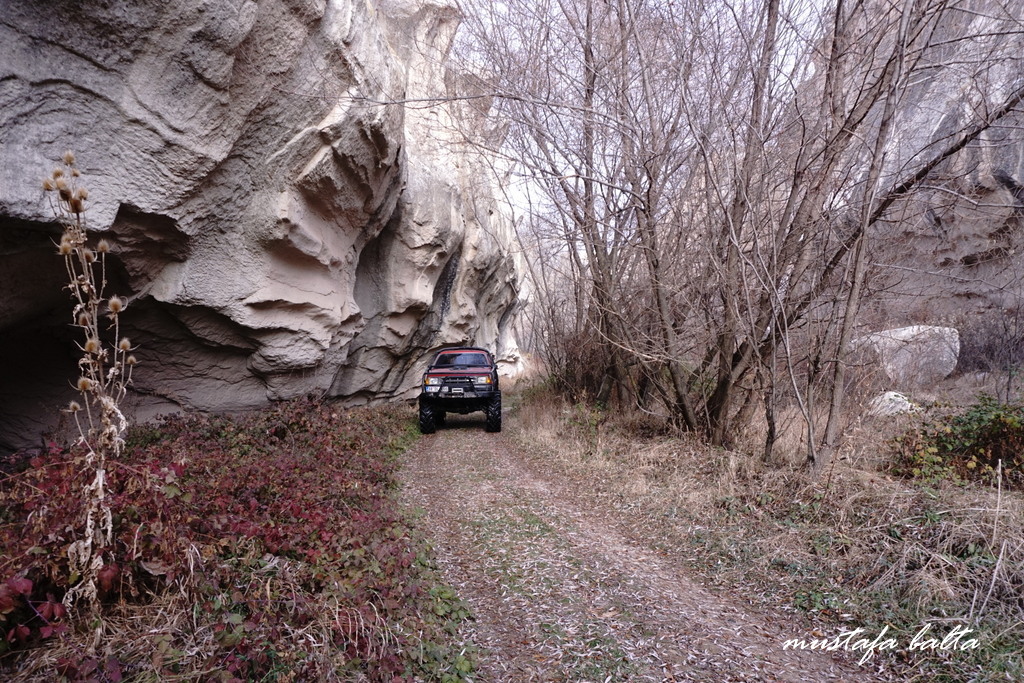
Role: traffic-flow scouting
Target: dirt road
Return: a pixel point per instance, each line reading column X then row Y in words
column 561, row 593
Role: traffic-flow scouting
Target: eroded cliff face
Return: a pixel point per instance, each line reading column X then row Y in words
column 283, row 224
column 952, row 254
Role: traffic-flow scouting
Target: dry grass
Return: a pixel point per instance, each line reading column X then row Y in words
column 170, row 634
column 207, row 591
column 560, row 592
column 854, row 546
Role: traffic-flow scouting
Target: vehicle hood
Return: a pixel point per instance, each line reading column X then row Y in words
column 474, row 370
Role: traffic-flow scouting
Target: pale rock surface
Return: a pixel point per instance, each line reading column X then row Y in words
column 954, row 255
column 283, row 226
column 915, row 356
column 891, row 403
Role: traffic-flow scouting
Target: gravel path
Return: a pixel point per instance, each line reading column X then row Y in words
column 559, row 593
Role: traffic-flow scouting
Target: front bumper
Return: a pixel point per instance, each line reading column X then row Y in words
column 466, row 401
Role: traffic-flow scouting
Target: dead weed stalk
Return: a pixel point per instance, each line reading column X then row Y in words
column 104, row 373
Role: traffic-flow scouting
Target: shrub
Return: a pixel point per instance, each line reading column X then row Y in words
column 982, row 443
column 279, row 527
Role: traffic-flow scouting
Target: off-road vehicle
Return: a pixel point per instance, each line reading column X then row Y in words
column 460, row 380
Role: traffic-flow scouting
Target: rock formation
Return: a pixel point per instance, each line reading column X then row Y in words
column 951, row 255
column 285, row 220
column 889, row 404
column 915, row 356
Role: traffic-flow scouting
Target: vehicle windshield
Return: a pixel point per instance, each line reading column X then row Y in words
column 449, row 359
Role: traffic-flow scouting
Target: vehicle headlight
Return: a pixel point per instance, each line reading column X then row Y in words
column 484, row 379
column 431, row 380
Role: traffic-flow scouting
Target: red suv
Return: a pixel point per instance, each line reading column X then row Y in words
column 460, row 380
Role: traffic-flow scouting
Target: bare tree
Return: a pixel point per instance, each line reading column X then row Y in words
column 709, row 177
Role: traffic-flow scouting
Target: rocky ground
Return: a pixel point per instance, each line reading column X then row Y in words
column 562, row 589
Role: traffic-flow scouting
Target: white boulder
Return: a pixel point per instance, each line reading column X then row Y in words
column 915, row 356
column 891, row 403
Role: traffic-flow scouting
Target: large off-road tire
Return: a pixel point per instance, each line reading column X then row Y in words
column 440, row 418
column 493, row 412
column 428, row 423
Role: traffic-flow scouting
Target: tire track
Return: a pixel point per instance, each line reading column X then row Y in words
column 560, row 594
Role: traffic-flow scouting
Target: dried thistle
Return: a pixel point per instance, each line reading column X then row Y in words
column 104, row 378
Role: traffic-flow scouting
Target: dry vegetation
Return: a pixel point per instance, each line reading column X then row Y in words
column 562, row 591
column 853, row 548
column 711, row 192
column 261, row 547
